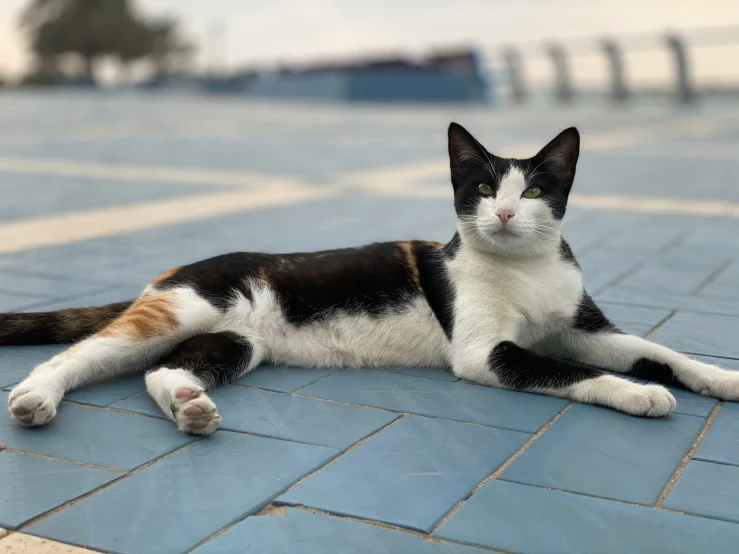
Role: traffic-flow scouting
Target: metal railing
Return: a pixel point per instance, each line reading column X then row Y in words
column 559, row 55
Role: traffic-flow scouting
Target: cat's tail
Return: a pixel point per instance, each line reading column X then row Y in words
column 59, row 327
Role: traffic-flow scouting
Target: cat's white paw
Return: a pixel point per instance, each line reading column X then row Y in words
column 646, row 400
column 32, row 405
column 193, row 411
column 722, row 383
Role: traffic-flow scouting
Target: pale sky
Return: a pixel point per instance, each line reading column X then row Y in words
column 266, row 31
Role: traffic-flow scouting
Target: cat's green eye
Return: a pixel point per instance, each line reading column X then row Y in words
column 485, row 189
column 532, row 192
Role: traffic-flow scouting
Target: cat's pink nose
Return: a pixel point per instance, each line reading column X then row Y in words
column 505, row 215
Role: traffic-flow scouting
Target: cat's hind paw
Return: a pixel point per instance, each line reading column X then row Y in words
column 194, row 412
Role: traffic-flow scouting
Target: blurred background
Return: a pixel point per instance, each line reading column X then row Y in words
column 489, row 51
column 137, row 135
column 471, row 50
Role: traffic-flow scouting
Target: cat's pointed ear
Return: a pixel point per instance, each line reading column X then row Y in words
column 559, row 157
column 463, row 149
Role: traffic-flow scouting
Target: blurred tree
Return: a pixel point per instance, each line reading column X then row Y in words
column 169, row 52
column 36, row 77
column 93, row 29
column 133, row 44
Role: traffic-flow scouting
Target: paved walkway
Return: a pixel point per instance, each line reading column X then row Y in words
column 100, row 194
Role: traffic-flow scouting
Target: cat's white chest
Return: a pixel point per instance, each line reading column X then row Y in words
column 528, row 299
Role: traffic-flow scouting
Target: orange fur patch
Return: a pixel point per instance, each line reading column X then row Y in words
column 435, row 244
column 409, row 257
column 166, row 274
column 151, row 315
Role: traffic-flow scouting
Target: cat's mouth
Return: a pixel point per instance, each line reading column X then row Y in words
column 504, row 233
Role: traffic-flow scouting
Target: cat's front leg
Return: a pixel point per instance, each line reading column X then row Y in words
column 638, row 357
column 503, row 363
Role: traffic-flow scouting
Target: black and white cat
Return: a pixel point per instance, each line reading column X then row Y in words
column 502, row 304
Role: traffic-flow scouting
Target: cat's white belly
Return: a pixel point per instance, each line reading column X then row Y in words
column 409, row 338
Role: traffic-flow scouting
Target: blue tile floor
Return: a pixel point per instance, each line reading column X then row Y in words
column 392, row 460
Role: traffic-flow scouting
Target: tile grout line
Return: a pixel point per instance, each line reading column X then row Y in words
column 619, row 278
column 340, row 454
column 682, row 237
column 578, row 493
column 376, row 523
column 272, row 510
column 604, row 498
column 346, row 403
column 418, row 414
column 274, row 437
column 495, row 474
column 713, row 462
column 162, row 417
column 728, row 358
column 597, row 244
column 293, row 393
column 142, row 375
column 87, row 406
column 715, row 274
column 118, row 479
column 666, row 306
column 288, row 393
column 688, row 456
column 661, row 323
column 65, row 460
column 345, row 452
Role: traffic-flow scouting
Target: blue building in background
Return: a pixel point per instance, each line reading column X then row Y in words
column 443, row 77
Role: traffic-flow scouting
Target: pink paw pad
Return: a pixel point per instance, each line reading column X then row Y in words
column 199, row 424
column 194, row 411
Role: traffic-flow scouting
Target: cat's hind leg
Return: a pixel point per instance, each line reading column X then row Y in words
column 154, row 324
column 179, row 381
column 637, row 357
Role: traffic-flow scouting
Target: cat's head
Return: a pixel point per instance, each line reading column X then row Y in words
column 509, row 206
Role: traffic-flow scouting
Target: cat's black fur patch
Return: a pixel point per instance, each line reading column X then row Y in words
column 651, row 370
column 521, row 369
column 215, row 358
column 451, row 248
column 374, row 279
column 566, row 253
column 435, row 282
column 552, row 191
column 590, row 318
column 217, row 279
